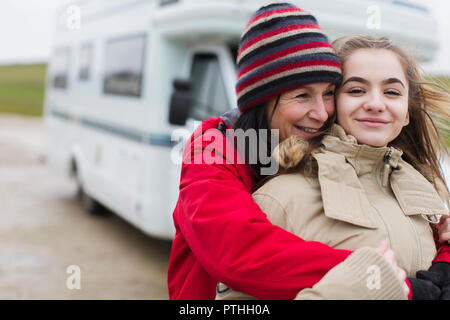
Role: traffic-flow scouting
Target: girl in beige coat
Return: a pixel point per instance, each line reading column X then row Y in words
column 374, row 176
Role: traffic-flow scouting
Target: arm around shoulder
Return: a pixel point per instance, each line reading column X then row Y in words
column 236, row 243
column 364, row 275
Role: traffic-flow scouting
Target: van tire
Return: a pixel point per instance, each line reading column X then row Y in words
column 88, row 203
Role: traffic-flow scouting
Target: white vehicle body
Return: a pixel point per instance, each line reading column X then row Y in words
column 110, row 81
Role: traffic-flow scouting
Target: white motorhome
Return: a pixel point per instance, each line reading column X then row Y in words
column 117, row 64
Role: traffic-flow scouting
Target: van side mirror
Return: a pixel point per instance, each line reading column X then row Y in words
column 180, row 101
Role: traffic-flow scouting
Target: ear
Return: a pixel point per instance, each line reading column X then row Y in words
column 406, row 119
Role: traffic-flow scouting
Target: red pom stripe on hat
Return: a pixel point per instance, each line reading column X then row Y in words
column 282, row 47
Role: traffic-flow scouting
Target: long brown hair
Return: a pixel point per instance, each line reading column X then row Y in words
column 420, row 141
column 428, row 103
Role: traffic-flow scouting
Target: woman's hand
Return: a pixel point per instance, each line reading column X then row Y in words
column 389, row 255
column 444, row 229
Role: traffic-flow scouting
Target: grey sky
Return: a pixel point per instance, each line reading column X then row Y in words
column 26, row 28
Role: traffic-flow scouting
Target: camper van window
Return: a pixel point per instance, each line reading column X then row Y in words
column 166, row 2
column 208, row 89
column 234, row 51
column 124, row 63
column 60, row 68
column 85, row 62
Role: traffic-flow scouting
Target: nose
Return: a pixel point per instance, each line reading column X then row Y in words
column 320, row 112
column 375, row 103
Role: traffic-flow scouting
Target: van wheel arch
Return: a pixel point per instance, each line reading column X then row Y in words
column 88, row 203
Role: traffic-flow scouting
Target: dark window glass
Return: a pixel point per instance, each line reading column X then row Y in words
column 85, row 62
column 60, row 68
column 234, row 51
column 208, row 88
column 124, row 63
column 166, row 2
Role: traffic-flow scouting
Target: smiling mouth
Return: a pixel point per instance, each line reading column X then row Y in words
column 308, row 130
column 373, row 120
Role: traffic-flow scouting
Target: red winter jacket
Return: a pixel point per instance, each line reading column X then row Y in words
column 222, row 235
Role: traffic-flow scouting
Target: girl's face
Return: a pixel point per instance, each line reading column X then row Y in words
column 302, row 111
column 372, row 103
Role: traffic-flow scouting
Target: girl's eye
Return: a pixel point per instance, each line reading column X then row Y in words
column 356, row 91
column 394, row 93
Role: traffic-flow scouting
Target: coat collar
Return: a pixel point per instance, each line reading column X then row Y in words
column 342, row 161
column 363, row 158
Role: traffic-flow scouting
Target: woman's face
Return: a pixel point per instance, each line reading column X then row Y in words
column 372, row 103
column 302, row 111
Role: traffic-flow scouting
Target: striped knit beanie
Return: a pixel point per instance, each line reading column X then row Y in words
column 282, row 48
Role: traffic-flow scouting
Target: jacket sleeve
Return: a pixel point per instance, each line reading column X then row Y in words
column 234, row 241
column 364, row 275
column 443, row 249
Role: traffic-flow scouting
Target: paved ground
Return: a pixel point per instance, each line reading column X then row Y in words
column 43, row 231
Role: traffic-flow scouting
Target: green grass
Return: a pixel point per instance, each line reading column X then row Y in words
column 22, row 89
column 445, row 124
column 442, row 81
column 446, row 133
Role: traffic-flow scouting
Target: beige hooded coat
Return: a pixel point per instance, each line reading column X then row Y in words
column 349, row 206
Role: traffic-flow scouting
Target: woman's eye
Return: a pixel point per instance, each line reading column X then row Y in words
column 302, row 95
column 329, row 93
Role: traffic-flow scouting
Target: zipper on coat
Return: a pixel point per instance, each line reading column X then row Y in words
column 384, row 183
column 386, row 168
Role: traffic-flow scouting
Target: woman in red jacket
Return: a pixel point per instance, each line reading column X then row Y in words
column 221, row 234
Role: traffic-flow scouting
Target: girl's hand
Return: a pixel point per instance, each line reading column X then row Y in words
column 444, row 229
column 389, row 255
